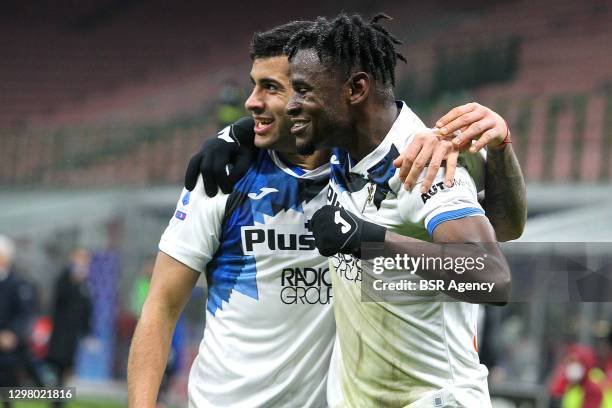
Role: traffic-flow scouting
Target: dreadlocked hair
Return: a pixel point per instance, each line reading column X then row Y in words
column 350, row 43
column 271, row 43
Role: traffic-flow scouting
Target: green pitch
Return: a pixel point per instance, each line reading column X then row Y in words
column 75, row 404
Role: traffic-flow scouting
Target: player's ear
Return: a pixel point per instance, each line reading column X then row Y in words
column 358, row 88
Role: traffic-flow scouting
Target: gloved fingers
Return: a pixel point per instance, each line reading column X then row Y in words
column 243, row 131
column 209, row 150
column 217, row 154
column 323, row 216
column 243, row 160
column 193, row 171
column 221, row 161
column 352, row 218
column 327, row 252
column 208, row 176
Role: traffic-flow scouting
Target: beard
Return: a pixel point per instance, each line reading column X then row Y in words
column 306, row 148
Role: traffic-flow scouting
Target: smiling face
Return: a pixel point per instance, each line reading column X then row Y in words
column 267, row 102
column 319, row 107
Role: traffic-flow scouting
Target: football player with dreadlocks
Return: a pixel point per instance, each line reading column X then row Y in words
column 420, row 351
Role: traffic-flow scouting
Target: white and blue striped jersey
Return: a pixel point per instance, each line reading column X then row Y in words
column 419, row 353
column 269, row 323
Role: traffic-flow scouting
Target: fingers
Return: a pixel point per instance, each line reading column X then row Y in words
column 193, row 171
column 434, row 164
column 397, row 163
column 475, row 131
column 418, row 165
column 488, row 137
column 455, row 113
column 206, row 169
column 462, row 143
column 221, row 159
column 321, row 218
column 205, row 166
column 465, row 120
column 243, row 131
column 451, row 166
column 244, row 158
column 406, row 158
column 222, row 177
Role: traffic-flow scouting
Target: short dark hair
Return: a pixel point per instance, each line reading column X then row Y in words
column 350, row 43
column 271, row 43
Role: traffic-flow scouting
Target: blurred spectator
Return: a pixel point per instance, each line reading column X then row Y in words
column 577, row 381
column 15, row 298
column 71, row 314
column 231, row 104
column 40, row 334
column 141, row 286
column 127, row 319
column 608, row 357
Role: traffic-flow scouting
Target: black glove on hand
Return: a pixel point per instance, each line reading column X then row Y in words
column 217, row 153
column 339, row 231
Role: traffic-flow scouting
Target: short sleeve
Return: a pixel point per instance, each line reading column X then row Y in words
column 440, row 203
column 192, row 235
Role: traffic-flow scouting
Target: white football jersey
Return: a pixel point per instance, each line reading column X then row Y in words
column 269, row 323
column 421, row 352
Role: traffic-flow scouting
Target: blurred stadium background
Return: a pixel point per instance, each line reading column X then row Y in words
column 103, row 102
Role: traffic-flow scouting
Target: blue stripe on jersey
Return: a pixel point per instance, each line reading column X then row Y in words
column 295, row 169
column 230, row 269
column 298, row 170
column 340, row 166
column 381, row 172
column 451, row 215
column 266, row 174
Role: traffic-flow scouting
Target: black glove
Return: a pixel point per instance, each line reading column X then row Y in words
column 339, row 231
column 216, row 153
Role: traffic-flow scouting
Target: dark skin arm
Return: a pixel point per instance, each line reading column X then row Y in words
column 474, row 237
column 505, row 194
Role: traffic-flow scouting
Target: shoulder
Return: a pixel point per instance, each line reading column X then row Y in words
column 197, row 200
column 406, row 126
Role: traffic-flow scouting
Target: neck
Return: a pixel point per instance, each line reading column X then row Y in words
column 318, row 158
column 372, row 125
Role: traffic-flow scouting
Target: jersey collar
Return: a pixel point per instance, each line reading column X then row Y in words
column 403, row 125
column 297, row 171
